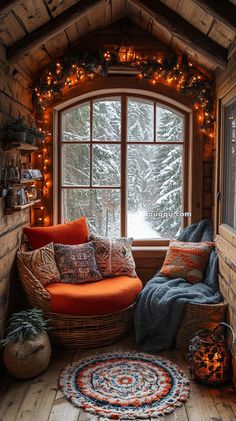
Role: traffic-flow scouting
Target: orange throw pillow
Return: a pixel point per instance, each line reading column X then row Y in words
column 75, row 232
column 186, row 260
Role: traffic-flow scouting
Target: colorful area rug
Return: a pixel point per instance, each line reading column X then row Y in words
column 125, row 385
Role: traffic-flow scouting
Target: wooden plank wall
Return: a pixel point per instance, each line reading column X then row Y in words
column 227, row 281
column 226, row 243
column 14, row 101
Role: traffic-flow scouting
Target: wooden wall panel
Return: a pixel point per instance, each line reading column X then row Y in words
column 226, row 239
column 227, row 283
column 148, row 261
column 32, row 14
column 14, row 101
column 10, row 29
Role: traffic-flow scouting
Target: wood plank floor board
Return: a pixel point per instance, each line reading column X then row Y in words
column 223, row 408
column 12, row 399
column 228, row 394
column 63, row 410
column 40, row 399
column 195, row 407
column 6, row 380
column 85, row 416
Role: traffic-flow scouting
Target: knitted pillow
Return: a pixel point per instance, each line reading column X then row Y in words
column 41, row 263
column 114, row 256
column 186, row 260
column 76, row 263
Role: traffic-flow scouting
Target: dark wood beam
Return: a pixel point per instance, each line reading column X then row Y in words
column 224, row 11
column 50, row 29
column 183, row 30
column 6, row 5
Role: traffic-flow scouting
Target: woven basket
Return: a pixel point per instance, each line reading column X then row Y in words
column 73, row 331
column 197, row 317
column 89, row 331
column 28, row 358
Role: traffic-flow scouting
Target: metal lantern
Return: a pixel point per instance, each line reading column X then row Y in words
column 210, row 356
column 126, row 53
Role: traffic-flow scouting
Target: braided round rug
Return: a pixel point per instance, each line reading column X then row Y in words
column 125, row 385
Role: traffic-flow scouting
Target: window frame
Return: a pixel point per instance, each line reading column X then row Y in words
column 224, row 229
column 188, row 149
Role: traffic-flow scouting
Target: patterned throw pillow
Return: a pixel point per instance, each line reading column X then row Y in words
column 77, row 263
column 114, row 256
column 186, row 260
column 42, row 264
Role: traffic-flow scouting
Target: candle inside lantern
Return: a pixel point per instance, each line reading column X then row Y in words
column 209, row 358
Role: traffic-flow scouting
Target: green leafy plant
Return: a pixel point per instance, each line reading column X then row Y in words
column 24, row 325
column 17, row 125
column 33, row 133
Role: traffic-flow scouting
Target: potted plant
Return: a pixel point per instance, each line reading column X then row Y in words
column 34, row 134
column 17, row 130
column 27, row 348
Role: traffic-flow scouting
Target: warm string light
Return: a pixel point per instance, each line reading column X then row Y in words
column 42, row 162
column 175, row 71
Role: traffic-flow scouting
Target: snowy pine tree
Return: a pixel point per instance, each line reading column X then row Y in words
column 166, row 174
column 140, row 121
column 75, row 123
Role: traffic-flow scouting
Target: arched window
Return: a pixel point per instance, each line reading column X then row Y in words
column 123, row 166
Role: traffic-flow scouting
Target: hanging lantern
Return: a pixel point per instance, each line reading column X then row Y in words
column 126, row 53
column 210, row 356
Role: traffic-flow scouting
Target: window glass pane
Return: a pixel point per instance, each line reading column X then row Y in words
column 106, row 120
column 169, row 126
column 140, row 120
column 106, row 165
column 75, row 165
column 100, row 206
column 76, row 124
column 229, row 209
column 154, row 190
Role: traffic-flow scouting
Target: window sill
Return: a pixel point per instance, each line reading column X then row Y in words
column 149, row 251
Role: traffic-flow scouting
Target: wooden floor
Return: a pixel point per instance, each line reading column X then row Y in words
column 40, row 400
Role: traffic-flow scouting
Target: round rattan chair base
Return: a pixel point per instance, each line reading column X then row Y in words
column 89, row 331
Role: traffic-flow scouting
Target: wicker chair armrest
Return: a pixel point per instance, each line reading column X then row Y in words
column 36, row 294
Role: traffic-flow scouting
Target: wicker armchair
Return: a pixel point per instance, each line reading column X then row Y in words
column 74, row 331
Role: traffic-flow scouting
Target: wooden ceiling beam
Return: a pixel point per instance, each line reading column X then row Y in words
column 224, row 11
column 50, row 29
column 183, row 30
column 7, row 5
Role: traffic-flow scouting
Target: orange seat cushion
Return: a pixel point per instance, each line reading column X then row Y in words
column 87, row 299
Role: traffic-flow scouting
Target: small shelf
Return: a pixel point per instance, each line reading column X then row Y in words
column 18, row 208
column 22, row 181
column 21, row 146
column 25, row 146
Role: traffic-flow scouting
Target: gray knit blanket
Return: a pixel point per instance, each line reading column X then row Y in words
column 161, row 303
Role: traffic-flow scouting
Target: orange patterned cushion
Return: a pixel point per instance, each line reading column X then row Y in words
column 186, row 260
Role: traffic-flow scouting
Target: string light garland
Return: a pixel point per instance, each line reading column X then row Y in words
column 41, row 215
column 68, row 72
column 171, row 69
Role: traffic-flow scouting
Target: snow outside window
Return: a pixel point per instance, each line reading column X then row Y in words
column 122, row 166
column 229, row 199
